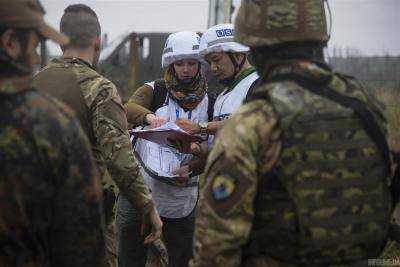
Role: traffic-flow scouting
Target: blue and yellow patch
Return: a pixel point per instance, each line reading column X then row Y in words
column 222, row 188
column 226, row 188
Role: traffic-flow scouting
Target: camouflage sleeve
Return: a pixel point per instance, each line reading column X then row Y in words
column 138, row 105
column 77, row 225
column 110, row 129
column 225, row 211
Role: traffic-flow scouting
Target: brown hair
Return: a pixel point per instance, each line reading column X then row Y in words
column 80, row 24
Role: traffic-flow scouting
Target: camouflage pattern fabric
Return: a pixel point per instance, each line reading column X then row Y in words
column 157, row 255
column 111, row 244
column 391, row 251
column 272, row 22
column 265, row 202
column 225, row 209
column 112, row 149
column 50, row 197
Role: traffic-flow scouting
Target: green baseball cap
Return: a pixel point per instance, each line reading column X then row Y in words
column 28, row 14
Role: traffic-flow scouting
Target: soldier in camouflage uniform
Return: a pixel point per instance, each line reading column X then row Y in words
column 74, row 80
column 50, row 197
column 302, row 174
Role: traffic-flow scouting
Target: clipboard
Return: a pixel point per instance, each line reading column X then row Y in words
column 165, row 134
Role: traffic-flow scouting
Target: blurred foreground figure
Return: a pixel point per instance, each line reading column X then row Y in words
column 74, row 80
column 302, row 175
column 50, row 198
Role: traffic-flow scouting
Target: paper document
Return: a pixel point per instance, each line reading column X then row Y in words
column 162, row 161
column 164, row 134
column 154, row 153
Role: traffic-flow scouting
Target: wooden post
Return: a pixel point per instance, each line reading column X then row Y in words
column 133, row 63
column 43, row 53
column 227, row 11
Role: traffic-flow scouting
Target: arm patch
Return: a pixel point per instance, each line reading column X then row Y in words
column 226, row 187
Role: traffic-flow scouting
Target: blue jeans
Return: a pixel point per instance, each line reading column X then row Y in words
column 130, row 249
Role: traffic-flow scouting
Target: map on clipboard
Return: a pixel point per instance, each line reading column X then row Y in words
column 164, row 134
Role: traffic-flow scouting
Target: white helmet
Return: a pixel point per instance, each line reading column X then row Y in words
column 219, row 38
column 180, row 45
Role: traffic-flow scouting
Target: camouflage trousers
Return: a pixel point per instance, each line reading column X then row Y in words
column 111, row 247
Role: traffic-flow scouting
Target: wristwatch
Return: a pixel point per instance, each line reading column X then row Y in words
column 203, row 129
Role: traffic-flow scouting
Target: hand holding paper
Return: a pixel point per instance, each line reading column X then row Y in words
column 168, row 135
column 155, row 121
column 188, row 126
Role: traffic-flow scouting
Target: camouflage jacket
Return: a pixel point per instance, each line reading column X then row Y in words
column 50, row 193
column 247, row 149
column 107, row 122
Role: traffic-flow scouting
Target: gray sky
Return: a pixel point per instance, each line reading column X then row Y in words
column 369, row 25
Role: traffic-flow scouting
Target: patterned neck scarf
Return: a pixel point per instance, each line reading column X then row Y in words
column 187, row 95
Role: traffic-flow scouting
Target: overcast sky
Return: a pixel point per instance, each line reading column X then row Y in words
column 373, row 26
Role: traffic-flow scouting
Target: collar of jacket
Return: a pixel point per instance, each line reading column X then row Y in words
column 243, row 74
column 76, row 60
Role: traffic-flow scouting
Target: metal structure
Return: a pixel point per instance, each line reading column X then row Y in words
column 219, row 11
column 132, row 60
column 43, row 53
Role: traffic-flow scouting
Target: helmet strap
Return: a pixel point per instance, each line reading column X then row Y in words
column 241, row 64
column 237, row 67
column 234, row 62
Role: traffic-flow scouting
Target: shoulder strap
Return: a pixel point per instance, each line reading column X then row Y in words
column 253, row 86
column 159, row 94
column 164, row 179
column 212, row 97
column 372, row 128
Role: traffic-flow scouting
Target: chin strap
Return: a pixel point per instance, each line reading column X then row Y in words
column 237, row 67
